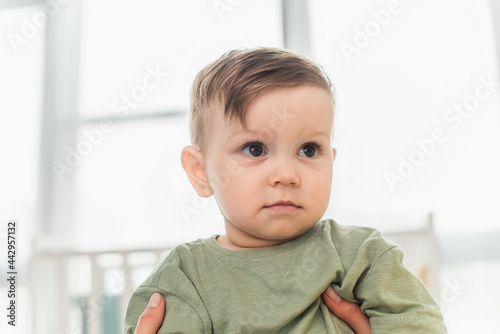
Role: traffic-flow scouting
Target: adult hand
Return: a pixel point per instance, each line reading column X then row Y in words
column 347, row 311
column 152, row 317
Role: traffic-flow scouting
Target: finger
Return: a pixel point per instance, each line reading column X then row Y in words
column 152, row 317
column 347, row 311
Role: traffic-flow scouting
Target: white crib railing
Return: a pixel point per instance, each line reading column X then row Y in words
column 72, row 293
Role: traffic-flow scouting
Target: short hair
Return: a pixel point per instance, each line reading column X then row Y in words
column 234, row 80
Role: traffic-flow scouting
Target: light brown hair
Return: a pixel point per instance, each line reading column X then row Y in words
column 234, row 80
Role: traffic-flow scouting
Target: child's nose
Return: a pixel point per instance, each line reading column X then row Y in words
column 284, row 173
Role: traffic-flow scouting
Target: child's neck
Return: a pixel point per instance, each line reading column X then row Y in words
column 226, row 242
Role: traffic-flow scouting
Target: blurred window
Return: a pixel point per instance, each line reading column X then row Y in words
column 21, row 55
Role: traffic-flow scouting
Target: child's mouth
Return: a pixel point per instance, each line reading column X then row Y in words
column 283, row 206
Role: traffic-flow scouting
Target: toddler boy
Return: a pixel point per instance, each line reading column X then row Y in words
column 262, row 130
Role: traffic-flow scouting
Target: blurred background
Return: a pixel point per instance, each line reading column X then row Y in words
column 93, row 116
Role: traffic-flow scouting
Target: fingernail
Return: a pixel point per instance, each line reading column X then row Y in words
column 334, row 296
column 154, row 302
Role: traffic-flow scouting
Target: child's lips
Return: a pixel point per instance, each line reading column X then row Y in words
column 283, row 206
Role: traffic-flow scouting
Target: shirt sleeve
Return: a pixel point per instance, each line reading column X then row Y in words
column 395, row 300
column 180, row 317
column 185, row 311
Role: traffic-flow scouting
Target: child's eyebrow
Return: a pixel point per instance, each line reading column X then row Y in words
column 246, row 131
column 318, row 133
column 307, row 132
column 265, row 133
column 235, row 133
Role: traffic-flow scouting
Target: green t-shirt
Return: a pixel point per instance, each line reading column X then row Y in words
column 210, row 289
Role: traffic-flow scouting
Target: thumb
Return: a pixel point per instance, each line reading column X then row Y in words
column 152, row 317
column 347, row 311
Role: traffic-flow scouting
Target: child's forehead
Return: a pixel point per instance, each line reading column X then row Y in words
column 302, row 110
column 284, row 105
column 279, row 121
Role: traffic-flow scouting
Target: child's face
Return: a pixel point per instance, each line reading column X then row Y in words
column 272, row 180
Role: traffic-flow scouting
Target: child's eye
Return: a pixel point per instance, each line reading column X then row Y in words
column 309, row 150
column 253, row 150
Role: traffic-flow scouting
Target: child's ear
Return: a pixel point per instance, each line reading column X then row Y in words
column 334, row 153
column 193, row 163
